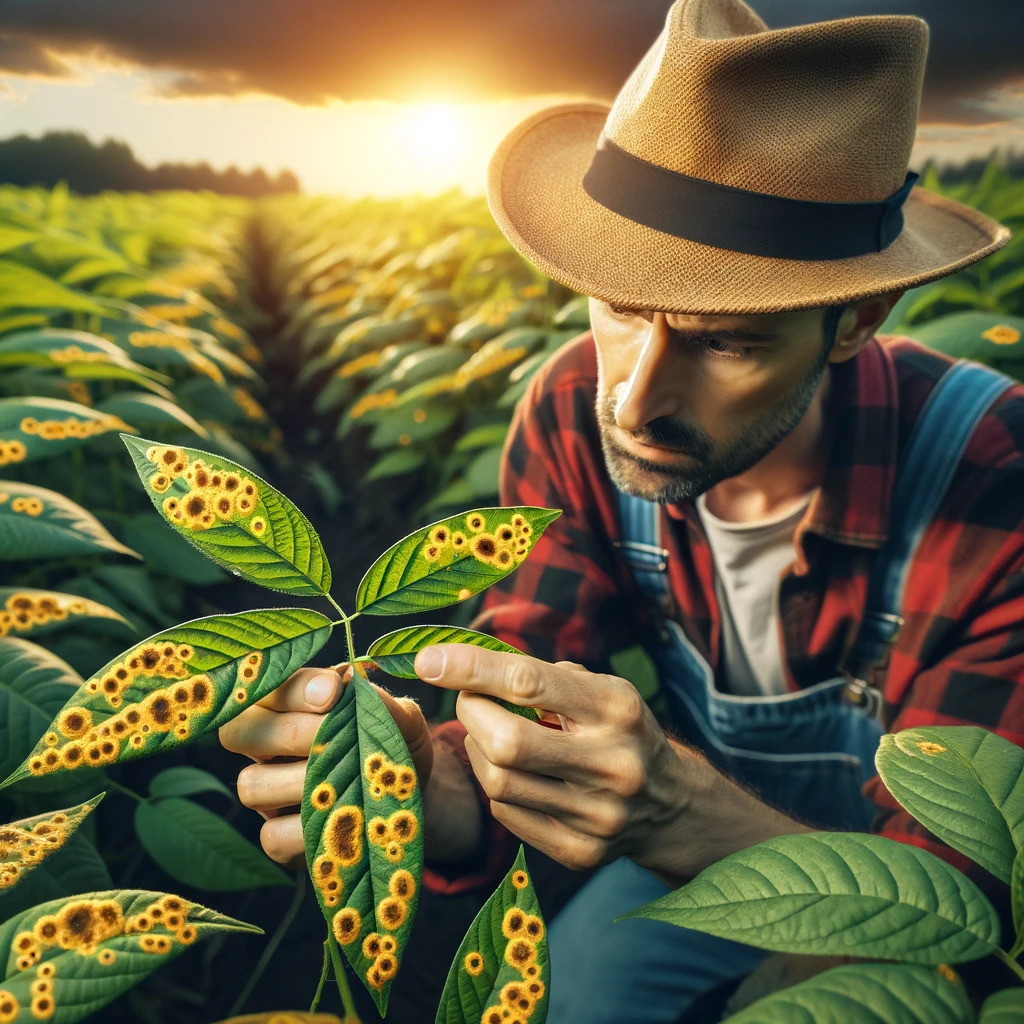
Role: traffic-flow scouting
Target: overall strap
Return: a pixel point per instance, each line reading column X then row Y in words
column 954, row 407
column 641, row 547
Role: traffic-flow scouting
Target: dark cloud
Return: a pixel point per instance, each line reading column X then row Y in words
column 311, row 51
column 19, row 58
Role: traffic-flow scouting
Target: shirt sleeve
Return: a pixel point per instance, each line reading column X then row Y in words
column 565, row 601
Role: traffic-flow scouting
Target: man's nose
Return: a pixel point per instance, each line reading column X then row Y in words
column 650, row 391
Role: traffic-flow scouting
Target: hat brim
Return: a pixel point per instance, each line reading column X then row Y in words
column 536, row 195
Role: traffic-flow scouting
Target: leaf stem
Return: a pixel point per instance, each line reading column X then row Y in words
column 271, row 947
column 351, row 1015
column 128, row 792
column 1011, row 963
column 323, row 977
column 340, row 610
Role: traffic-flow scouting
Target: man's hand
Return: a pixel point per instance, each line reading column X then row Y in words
column 608, row 783
column 278, row 732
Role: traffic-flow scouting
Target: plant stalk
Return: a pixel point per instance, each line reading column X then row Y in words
column 351, row 1015
column 323, row 977
column 1011, row 963
column 128, row 792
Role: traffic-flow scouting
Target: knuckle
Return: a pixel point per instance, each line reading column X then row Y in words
column 581, row 854
column 609, row 821
column 625, row 706
column 574, row 666
column 506, row 745
column 630, row 775
column 497, row 784
column 290, row 738
column 524, row 680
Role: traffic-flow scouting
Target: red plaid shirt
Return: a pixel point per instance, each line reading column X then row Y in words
column 959, row 658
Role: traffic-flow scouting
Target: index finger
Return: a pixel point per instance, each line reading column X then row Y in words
column 516, row 678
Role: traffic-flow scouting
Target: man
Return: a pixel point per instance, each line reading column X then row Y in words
column 725, row 446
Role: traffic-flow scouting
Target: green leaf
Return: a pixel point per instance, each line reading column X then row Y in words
column 362, row 817
column 1017, row 901
column 199, row 848
column 395, row 653
column 397, row 462
column 102, row 944
column 168, row 553
column 1006, row 1007
column 837, row 893
column 485, row 436
column 866, row 994
column 184, row 780
column 24, row 288
column 144, row 410
column 39, row 523
column 233, row 516
column 77, row 868
column 26, row 843
column 180, row 683
column 34, row 685
column 965, row 784
column 25, row 610
column 451, row 560
column 502, row 962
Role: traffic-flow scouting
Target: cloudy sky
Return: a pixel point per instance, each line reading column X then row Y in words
column 393, row 96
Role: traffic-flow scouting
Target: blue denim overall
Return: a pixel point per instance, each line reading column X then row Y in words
column 808, row 753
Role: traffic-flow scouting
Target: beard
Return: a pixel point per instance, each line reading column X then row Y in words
column 709, row 465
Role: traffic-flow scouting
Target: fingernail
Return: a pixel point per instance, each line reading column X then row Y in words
column 429, row 663
column 319, row 690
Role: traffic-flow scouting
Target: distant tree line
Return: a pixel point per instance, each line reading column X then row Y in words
column 89, row 168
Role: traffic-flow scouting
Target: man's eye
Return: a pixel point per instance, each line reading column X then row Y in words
column 724, row 350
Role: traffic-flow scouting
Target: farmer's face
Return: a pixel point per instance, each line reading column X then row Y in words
column 684, row 402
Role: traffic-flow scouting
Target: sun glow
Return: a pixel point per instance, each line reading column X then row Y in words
column 436, row 133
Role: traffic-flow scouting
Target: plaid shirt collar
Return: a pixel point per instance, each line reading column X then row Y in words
column 852, row 504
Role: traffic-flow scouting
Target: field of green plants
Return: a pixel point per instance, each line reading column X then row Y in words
column 363, row 358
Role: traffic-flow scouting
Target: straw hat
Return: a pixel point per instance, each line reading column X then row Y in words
column 740, row 170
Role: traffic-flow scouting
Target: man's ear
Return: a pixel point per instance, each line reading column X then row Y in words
column 859, row 323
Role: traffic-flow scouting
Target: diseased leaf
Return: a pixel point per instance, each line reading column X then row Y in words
column 451, row 560
column 24, row 610
column 34, row 685
column 36, row 428
column 866, row 994
column 837, row 893
column 39, row 523
column 965, row 784
column 199, row 848
column 26, row 843
column 284, row 1017
column 395, row 653
column 1006, row 1007
column 65, row 959
column 362, row 817
column 76, row 868
column 233, row 517
column 177, row 684
column 501, row 970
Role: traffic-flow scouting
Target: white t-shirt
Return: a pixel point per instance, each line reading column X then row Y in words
column 749, row 560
